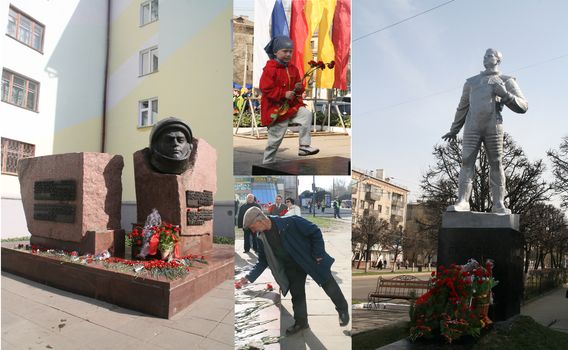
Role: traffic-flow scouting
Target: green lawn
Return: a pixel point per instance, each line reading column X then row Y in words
column 519, row 333
column 323, row 223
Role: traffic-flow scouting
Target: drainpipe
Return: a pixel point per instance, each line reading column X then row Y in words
column 103, row 132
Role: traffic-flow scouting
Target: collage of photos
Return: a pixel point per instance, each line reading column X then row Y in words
column 134, row 215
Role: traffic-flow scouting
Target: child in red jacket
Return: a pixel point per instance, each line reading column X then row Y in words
column 281, row 102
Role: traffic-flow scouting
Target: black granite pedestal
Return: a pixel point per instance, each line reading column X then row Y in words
column 483, row 236
column 307, row 166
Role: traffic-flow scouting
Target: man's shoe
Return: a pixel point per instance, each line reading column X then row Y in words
column 246, row 251
column 459, row 206
column 343, row 318
column 307, row 150
column 297, row 327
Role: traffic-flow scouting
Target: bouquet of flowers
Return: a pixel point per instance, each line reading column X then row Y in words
column 314, row 66
column 456, row 304
column 165, row 239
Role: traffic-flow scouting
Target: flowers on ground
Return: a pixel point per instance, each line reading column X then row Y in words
column 456, row 303
column 172, row 269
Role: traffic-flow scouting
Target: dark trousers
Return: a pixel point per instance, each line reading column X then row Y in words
column 336, row 213
column 250, row 236
column 297, row 279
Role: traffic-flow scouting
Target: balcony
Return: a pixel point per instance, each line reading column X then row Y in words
column 372, row 196
column 371, row 212
column 396, row 218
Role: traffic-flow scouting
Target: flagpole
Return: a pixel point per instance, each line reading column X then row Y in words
column 245, row 70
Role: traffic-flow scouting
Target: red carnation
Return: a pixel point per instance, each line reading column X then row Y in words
column 331, row 64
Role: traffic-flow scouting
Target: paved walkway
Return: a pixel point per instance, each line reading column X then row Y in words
column 249, row 151
column 324, row 332
column 550, row 310
column 35, row 316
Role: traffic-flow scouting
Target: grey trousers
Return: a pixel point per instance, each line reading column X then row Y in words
column 277, row 131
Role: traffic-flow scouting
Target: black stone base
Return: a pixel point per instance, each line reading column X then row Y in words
column 306, row 166
column 504, row 246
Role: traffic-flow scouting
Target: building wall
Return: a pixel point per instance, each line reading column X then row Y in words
column 387, row 201
column 243, row 30
column 70, row 71
column 194, row 64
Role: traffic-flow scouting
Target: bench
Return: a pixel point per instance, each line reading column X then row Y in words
column 401, row 287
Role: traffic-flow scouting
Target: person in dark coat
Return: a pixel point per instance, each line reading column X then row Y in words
column 249, row 236
column 293, row 247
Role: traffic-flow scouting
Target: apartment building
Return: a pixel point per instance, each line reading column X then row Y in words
column 53, row 69
column 374, row 194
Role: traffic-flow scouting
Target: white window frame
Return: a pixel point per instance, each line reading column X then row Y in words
column 150, row 116
column 151, row 5
column 150, row 66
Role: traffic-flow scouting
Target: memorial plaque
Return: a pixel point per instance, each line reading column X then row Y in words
column 197, row 199
column 55, row 212
column 196, row 218
column 64, row 190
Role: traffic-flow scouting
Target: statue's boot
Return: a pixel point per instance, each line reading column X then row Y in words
column 498, row 197
column 464, row 191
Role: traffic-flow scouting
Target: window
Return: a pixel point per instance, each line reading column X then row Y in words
column 12, row 151
column 148, row 12
column 25, row 29
column 19, row 90
column 148, row 112
column 149, row 60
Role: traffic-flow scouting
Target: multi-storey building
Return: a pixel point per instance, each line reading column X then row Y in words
column 95, row 76
column 243, row 32
column 53, row 71
column 373, row 194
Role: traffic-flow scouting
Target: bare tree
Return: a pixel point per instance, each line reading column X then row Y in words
column 368, row 231
column 559, row 159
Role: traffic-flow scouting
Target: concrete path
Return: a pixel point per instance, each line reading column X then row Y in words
column 550, row 309
column 324, row 332
column 35, row 316
column 250, row 151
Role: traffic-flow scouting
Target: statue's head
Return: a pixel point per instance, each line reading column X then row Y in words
column 171, row 143
column 492, row 58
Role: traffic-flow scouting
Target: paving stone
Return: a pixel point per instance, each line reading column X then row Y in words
column 224, row 334
column 169, row 338
column 197, row 326
column 210, row 344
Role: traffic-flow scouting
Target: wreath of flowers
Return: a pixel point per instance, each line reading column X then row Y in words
column 456, row 303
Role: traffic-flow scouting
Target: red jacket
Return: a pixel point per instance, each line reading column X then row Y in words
column 276, row 79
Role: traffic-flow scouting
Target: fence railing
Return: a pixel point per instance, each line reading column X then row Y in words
column 541, row 281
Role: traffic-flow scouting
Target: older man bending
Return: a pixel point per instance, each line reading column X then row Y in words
column 293, row 248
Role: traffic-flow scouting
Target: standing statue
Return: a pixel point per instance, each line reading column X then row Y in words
column 481, row 103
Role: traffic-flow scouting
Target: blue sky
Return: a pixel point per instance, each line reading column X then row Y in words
column 407, row 79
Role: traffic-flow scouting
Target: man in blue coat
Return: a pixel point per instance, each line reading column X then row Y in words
column 293, row 248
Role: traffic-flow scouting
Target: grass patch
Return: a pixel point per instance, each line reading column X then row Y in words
column 520, row 332
column 322, row 222
column 379, row 337
column 16, row 239
column 223, row 240
column 356, row 301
